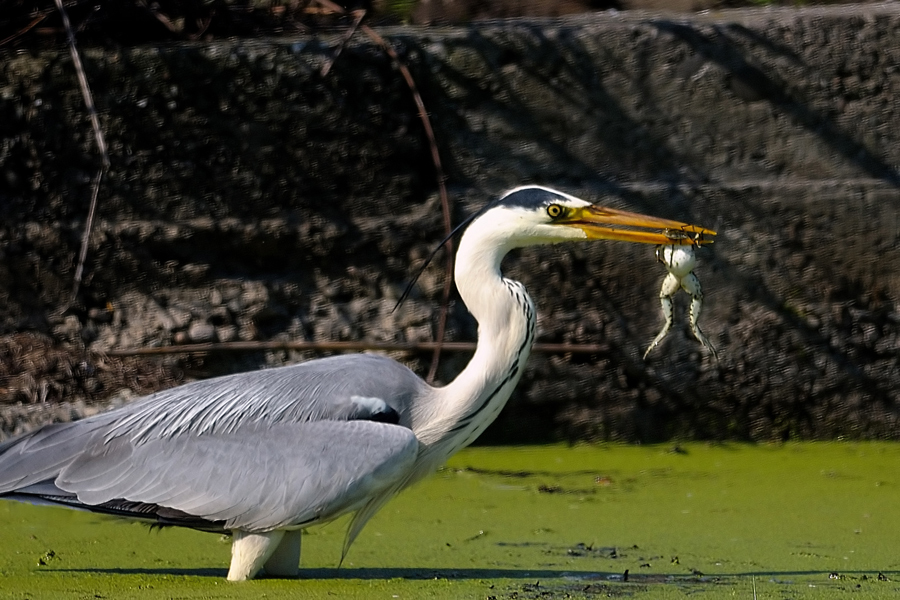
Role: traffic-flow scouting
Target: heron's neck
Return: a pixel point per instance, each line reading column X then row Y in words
column 506, row 323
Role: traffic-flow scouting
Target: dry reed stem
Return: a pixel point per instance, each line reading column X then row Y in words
column 359, row 14
column 354, row 346
column 330, row 6
column 101, row 147
column 445, row 202
column 24, row 30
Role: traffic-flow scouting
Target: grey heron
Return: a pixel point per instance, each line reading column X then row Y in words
column 265, row 454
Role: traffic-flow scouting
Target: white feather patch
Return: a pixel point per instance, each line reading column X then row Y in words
column 373, row 405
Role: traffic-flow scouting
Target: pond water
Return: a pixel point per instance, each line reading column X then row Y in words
column 796, row 520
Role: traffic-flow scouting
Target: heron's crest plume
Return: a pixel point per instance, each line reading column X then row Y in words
column 523, row 197
column 431, row 256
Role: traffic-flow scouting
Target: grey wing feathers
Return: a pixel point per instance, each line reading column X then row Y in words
column 40, row 455
column 295, row 443
column 284, row 476
column 357, row 386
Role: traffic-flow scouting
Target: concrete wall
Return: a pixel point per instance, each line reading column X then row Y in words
column 252, row 198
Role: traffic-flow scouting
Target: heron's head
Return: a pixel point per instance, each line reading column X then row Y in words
column 534, row 215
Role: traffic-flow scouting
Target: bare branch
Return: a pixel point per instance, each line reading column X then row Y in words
column 101, row 147
column 24, row 30
column 445, row 202
column 435, row 157
column 86, row 236
column 327, row 346
column 328, row 8
column 85, row 88
column 359, row 14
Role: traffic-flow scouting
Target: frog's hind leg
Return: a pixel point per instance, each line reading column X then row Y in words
column 691, row 285
column 670, row 285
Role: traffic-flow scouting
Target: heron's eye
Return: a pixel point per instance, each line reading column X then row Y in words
column 554, row 210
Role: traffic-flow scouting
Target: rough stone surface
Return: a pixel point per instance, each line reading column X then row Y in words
column 251, row 198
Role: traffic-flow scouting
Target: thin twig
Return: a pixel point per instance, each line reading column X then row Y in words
column 328, row 346
column 24, row 30
column 85, row 88
column 202, row 26
column 445, row 202
column 86, row 236
column 161, row 17
column 359, row 14
column 101, row 147
column 330, row 6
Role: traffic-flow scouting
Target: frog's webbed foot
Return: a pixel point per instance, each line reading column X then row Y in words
column 691, row 285
column 670, row 285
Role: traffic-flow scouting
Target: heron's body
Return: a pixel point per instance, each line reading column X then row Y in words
column 267, row 453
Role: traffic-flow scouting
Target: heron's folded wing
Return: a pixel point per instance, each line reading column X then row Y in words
column 254, row 479
column 336, row 388
column 39, row 455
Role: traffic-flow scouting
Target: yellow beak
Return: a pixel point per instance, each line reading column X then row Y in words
column 601, row 223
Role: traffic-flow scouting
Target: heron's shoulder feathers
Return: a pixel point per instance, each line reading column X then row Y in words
column 348, row 387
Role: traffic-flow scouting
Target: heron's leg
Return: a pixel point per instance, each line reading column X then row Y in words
column 250, row 551
column 692, row 286
column 669, row 286
column 285, row 561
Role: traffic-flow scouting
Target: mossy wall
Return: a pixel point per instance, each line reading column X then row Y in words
column 252, row 198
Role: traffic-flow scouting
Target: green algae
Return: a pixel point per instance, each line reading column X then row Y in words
column 796, row 520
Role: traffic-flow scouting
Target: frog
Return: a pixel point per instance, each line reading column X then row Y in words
column 680, row 261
